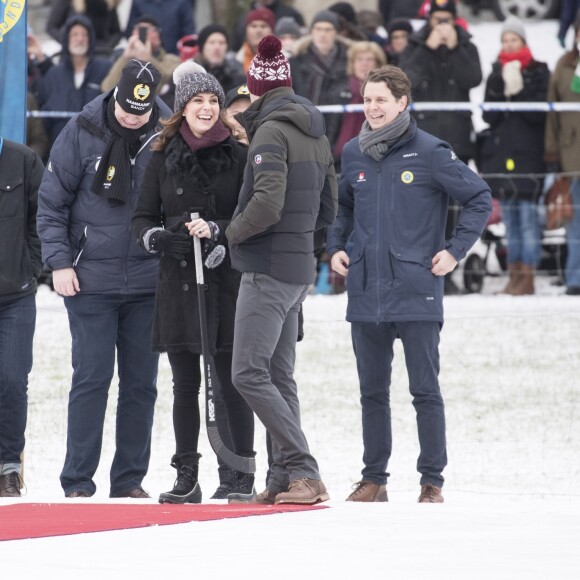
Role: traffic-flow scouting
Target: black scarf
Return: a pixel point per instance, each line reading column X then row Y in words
column 113, row 177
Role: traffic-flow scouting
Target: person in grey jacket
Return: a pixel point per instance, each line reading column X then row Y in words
column 289, row 192
column 20, row 265
column 86, row 201
column 394, row 189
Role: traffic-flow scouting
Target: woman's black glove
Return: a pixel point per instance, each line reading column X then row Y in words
column 172, row 244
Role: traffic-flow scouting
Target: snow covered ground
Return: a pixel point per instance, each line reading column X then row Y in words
column 510, row 376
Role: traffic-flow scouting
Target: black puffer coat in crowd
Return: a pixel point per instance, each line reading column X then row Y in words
column 444, row 75
column 178, row 182
column 515, row 141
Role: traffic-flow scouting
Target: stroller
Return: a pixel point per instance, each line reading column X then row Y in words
column 488, row 256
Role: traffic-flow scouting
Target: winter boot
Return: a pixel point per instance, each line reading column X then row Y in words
column 243, row 490
column 430, row 494
column 368, row 491
column 525, row 285
column 226, row 483
column 304, row 491
column 222, row 491
column 186, row 487
column 514, row 271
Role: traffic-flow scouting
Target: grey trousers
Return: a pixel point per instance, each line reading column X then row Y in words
column 265, row 334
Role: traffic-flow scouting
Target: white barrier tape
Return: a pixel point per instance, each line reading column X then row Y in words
column 466, row 106
column 427, row 106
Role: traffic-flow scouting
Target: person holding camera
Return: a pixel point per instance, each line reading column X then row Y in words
column 144, row 44
column 443, row 65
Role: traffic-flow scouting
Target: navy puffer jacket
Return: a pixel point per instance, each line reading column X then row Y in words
column 81, row 229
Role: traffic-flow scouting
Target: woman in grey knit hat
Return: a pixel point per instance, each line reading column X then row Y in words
column 196, row 167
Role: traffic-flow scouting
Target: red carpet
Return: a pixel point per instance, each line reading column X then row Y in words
column 40, row 520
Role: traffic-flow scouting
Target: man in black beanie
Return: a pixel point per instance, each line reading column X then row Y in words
column 214, row 55
column 86, row 201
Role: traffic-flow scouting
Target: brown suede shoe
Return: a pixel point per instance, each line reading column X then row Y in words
column 430, row 494
column 368, row 491
column 137, row 493
column 10, row 484
column 303, row 491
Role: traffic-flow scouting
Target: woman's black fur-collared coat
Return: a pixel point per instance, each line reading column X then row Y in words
column 178, row 182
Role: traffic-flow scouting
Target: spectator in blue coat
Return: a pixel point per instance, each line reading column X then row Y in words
column 86, row 201
column 76, row 79
column 174, row 16
column 394, row 189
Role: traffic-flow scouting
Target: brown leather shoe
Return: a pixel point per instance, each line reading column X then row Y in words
column 137, row 493
column 368, row 491
column 78, row 493
column 10, row 484
column 430, row 494
column 303, row 491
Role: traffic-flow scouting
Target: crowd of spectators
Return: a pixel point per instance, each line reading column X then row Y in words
column 329, row 57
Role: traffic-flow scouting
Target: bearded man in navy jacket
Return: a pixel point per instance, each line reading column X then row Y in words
column 394, row 190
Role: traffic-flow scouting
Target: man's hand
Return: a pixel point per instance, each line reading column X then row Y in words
column 435, row 38
column 449, row 35
column 65, row 282
column 136, row 49
column 443, row 34
column 340, row 262
column 35, row 51
column 443, row 262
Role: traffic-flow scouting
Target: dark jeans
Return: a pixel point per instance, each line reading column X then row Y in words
column 17, row 322
column 185, row 367
column 373, row 348
column 101, row 324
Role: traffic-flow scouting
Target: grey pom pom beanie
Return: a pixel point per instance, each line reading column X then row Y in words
column 191, row 79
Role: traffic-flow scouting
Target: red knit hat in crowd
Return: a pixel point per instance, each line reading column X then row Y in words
column 269, row 69
column 263, row 14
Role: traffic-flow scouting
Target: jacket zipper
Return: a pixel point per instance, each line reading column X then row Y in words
column 378, row 242
column 84, row 240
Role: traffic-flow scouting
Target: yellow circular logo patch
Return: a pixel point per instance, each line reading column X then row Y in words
column 407, row 177
column 141, row 92
column 12, row 13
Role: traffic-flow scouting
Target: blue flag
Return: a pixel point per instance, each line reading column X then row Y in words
column 13, row 60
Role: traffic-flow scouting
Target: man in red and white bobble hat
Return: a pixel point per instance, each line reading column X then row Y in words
column 289, row 192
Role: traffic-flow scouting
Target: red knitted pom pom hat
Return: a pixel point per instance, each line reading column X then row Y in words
column 269, row 69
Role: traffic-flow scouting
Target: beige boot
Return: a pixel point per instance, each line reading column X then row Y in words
column 525, row 286
column 514, row 271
